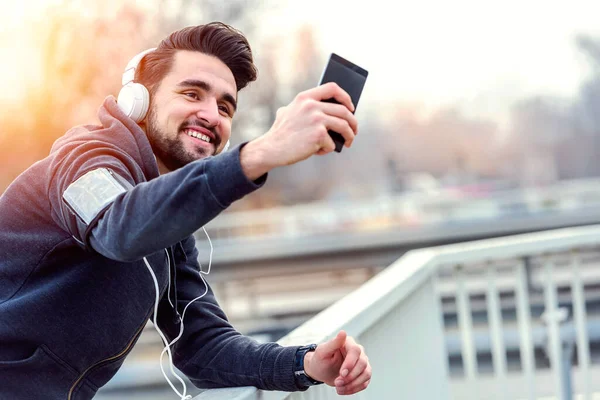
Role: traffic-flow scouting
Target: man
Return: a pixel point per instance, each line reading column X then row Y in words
column 81, row 230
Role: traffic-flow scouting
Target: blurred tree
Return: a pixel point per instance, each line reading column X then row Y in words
column 241, row 14
column 540, row 125
column 81, row 59
column 581, row 157
column 554, row 138
column 451, row 147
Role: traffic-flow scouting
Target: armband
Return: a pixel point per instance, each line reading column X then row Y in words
column 91, row 193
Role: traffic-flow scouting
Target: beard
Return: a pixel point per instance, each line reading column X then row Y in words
column 171, row 150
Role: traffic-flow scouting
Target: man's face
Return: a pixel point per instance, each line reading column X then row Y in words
column 191, row 111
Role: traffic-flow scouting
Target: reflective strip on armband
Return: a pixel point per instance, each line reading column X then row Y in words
column 92, row 192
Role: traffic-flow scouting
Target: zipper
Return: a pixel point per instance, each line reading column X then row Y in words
column 121, row 353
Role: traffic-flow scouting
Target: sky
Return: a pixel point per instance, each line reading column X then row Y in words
column 478, row 56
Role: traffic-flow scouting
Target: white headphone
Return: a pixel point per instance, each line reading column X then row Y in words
column 134, row 98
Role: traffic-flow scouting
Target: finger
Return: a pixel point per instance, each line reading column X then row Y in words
column 360, row 367
column 343, row 349
column 331, row 90
column 344, row 352
column 352, row 357
column 340, row 126
column 354, row 388
column 338, row 110
column 337, row 342
column 327, row 146
column 365, row 376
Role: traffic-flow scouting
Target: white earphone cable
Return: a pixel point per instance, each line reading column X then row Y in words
column 200, row 273
column 164, row 339
column 168, row 345
column 169, row 286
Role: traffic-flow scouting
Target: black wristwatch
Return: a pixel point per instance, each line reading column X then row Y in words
column 302, row 379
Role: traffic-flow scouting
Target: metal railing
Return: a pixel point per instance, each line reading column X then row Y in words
column 397, row 317
column 404, row 210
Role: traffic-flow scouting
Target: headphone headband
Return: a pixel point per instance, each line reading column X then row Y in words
column 129, row 73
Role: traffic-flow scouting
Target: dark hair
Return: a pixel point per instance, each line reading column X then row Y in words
column 216, row 39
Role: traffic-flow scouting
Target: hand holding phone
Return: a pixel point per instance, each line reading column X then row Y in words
column 349, row 77
column 298, row 130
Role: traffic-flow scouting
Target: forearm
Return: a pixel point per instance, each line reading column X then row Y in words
column 229, row 359
column 211, row 352
column 163, row 211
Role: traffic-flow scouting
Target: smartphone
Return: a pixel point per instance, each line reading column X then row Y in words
column 349, row 77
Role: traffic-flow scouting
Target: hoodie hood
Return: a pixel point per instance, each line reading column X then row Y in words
column 117, row 129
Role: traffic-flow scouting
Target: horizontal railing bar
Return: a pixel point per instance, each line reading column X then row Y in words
column 518, row 246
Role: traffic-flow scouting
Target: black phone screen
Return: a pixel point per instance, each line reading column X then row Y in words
column 349, row 77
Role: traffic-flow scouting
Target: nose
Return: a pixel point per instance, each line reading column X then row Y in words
column 209, row 112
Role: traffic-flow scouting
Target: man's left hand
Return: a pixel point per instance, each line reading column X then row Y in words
column 340, row 362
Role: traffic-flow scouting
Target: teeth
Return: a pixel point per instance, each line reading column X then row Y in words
column 197, row 135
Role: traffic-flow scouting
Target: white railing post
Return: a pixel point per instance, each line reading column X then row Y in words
column 579, row 314
column 495, row 323
column 553, row 316
column 466, row 331
column 524, row 321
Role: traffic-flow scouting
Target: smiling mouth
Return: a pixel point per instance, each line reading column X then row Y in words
column 198, row 135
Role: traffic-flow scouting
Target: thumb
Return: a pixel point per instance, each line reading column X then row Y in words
column 333, row 344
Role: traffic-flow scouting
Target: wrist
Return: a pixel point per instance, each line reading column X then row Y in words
column 307, row 364
column 302, row 366
column 253, row 159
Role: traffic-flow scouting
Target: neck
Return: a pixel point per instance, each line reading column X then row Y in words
column 162, row 169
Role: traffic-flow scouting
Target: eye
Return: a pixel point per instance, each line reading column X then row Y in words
column 191, row 95
column 224, row 109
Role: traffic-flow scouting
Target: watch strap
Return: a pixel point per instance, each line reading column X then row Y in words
column 302, row 378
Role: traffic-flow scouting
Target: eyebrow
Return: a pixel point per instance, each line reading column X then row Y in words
column 207, row 87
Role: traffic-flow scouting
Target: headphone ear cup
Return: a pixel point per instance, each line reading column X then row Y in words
column 134, row 100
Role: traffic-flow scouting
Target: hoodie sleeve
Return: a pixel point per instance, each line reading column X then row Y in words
column 211, row 352
column 151, row 215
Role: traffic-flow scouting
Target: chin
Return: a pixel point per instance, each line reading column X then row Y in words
column 197, row 155
column 203, row 154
